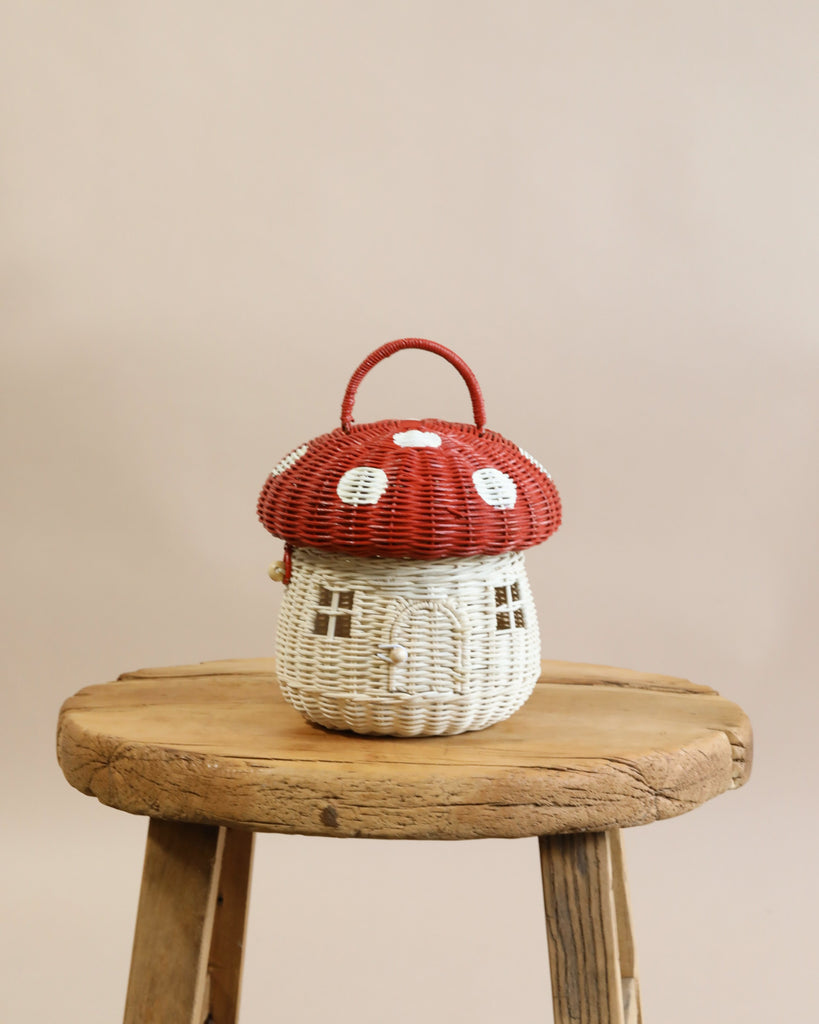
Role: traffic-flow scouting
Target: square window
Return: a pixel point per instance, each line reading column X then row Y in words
column 334, row 615
column 509, row 613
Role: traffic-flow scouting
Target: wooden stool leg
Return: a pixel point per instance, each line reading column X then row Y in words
column 174, row 924
column 582, row 929
column 230, row 922
column 186, row 964
column 633, row 1012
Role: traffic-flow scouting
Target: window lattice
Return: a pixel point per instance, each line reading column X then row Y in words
column 509, row 612
column 334, row 614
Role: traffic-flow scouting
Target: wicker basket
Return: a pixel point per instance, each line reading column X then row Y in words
column 407, row 609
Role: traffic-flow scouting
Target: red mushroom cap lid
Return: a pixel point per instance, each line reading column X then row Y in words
column 421, row 489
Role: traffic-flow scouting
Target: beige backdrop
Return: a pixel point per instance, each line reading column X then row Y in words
column 210, row 213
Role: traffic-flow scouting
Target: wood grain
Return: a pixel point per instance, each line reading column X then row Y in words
column 177, row 900
column 625, row 937
column 581, row 928
column 578, row 673
column 593, row 749
column 632, row 1012
column 229, row 926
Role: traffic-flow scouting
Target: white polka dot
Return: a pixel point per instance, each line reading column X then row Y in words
column 496, row 488
column 288, row 460
column 417, row 439
column 362, row 485
column 534, row 462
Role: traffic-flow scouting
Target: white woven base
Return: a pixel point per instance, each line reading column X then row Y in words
column 407, row 648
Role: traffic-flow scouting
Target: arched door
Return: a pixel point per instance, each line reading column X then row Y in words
column 428, row 648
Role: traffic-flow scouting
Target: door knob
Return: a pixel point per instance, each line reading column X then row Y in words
column 396, row 654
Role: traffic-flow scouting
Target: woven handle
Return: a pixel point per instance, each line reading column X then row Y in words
column 478, row 410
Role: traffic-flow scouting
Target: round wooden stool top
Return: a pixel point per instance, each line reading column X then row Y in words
column 594, row 748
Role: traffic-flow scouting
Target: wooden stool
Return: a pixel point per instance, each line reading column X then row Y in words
column 213, row 754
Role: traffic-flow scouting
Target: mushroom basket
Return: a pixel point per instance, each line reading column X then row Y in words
column 407, row 610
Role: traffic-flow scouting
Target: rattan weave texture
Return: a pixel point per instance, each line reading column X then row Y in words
column 407, row 609
column 431, row 505
column 462, row 672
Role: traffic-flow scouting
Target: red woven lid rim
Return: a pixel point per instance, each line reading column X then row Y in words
column 422, row 489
